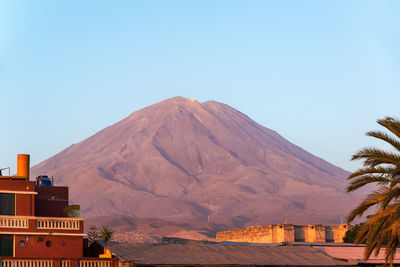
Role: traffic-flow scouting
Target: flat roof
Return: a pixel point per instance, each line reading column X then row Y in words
column 206, row 253
column 356, row 253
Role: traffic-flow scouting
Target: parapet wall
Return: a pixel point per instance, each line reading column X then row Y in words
column 277, row 233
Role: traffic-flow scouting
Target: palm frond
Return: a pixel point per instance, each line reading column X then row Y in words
column 375, row 232
column 375, row 227
column 361, row 234
column 366, row 179
column 385, row 137
column 390, row 194
column 391, row 124
column 106, row 233
column 394, row 241
column 371, row 200
column 373, row 157
column 378, row 170
column 383, row 169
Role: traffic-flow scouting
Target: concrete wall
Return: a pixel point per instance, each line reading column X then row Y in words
column 277, row 233
column 257, row 234
column 335, row 233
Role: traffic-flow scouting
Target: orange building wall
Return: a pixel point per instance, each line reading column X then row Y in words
column 61, row 246
column 24, row 201
column 35, row 244
column 24, row 205
column 16, row 185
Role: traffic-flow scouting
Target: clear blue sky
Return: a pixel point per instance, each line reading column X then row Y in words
column 318, row 72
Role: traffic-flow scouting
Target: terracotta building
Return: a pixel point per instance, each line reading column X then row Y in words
column 37, row 224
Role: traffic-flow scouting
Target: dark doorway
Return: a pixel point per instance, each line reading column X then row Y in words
column 6, row 245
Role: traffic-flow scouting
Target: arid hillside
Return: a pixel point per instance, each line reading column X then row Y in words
column 151, row 230
column 180, row 159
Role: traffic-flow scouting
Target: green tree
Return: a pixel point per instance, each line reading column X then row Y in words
column 106, row 233
column 351, row 234
column 381, row 168
column 72, row 211
column 92, row 234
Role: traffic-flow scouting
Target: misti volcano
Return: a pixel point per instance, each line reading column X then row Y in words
column 180, row 159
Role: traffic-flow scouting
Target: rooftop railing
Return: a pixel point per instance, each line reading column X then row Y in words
column 14, row 222
column 57, row 223
column 94, row 263
column 26, row 262
column 44, row 223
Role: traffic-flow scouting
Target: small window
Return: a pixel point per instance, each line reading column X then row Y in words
column 48, row 243
column 7, row 204
column 21, row 244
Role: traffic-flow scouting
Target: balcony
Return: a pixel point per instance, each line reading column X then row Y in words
column 58, row 223
column 41, row 224
column 25, row 263
column 13, row 222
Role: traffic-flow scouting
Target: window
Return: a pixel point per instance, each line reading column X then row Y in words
column 7, row 204
column 6, row 245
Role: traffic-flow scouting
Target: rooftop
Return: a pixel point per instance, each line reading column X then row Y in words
column 207, row 253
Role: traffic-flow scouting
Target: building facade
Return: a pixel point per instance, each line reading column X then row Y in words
column 278, row 233
column 34, row 218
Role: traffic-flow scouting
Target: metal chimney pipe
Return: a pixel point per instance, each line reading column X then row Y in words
column 23, row 166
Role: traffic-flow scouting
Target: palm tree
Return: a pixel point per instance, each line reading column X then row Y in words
column 381, row 168
column 106, row 233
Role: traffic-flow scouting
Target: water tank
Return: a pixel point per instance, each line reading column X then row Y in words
column 43, row 180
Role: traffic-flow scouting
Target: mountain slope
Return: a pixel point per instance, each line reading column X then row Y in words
column 149, row 230
column 181, row 159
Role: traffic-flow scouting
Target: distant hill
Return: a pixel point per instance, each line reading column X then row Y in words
column 180, row 159
column 151, row 230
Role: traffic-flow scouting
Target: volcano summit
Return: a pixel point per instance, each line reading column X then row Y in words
column 180, row 159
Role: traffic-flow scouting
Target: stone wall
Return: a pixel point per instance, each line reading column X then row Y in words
column 278, row 233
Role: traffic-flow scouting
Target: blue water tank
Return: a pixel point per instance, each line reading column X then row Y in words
column 43, row 180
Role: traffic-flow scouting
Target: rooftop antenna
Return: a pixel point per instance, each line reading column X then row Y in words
column 8, row 168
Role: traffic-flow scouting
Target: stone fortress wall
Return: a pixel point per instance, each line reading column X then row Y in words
column 278, row 233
